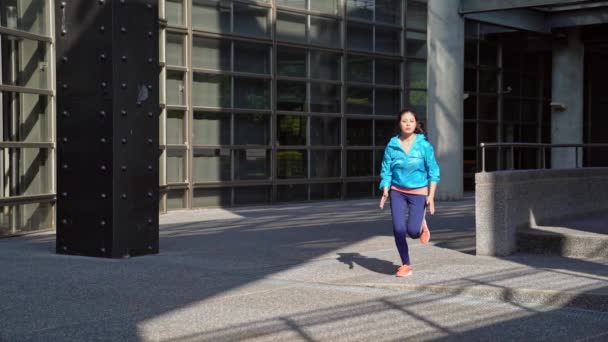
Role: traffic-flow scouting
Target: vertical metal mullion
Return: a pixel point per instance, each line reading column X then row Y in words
column 273, row 113
column 189, row 114
column 343, row 92
column 2, row 128
column 308, row 106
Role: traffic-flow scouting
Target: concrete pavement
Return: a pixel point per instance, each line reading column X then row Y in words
column 311, row 272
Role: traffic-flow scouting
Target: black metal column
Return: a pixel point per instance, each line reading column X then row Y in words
column 107, row 127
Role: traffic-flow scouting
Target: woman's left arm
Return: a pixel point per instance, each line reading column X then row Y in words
column 433, row 173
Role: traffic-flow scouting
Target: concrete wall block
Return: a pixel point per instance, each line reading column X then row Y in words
column 507, row 201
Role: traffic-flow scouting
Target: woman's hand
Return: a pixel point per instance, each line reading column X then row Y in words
column 384, row 198
column 430, row 203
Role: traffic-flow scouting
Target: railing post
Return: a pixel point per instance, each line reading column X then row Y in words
column 576, row 156
column 512, row 166
column 483, row 158
column 543, row 159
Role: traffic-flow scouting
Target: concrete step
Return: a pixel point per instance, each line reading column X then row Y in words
column 564, row 241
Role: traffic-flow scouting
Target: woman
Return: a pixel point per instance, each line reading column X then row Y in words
column 410, row 175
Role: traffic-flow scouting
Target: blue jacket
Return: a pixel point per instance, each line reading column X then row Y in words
column 413, row 170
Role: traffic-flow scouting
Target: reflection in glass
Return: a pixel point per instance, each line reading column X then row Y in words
column 213, row 16
column 301, row 4
column 291, row 96
column 209, row 53
column 416, row 72
column 360, row 37
column 359, row 132
column 359, row 163
column 359, row 69
column 417, row 100
column 291, row 164
column 324, row 164
column 25, row 15
column 210, row 90
column 324, row 131
column 211, row 165
column 292, row 192
column 388, row 41
column 32, row 117
column 416, row 44
column 291, row 27
column 24, row 63
column 251, row 20
column 16, row 219
column 385, row 130
column 360, row 9
column 175, row 49
column 214, row 197
column 326, row 65
column 291, row 130
column 251, row 129
column 388, row 72
column 388, row 101
column 175, row 166
column 359, row 100
column 325, row 32
column 176, row 199
column 251, row 93
column 325, row 191
column 291, row 61
column 175, row 87
column 416, row 15
column 388, row 11
column 252, row 164
column 253, row 58
column 324, row 6
column 324, row 98
column 27, row 171
column 210, row 128
column 175, row 127
column 174, row 12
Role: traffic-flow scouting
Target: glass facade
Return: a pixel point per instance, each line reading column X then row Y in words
column 507, row 85
column 27, row 155
column 279, row 100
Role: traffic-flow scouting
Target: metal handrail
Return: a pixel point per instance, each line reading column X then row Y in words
column 537, row 146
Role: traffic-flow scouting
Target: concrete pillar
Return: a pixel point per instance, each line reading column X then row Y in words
column 445, row 93
column 567, row 90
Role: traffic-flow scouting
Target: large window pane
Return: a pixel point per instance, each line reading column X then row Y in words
column 301, row 4
column 359, row 100
column 175, row 87
column 417, row 100
column 25, row 218
column 416, row 15
column 359, row 163
column 253, row 58
column 384, row 131
column 324, row 6
column 211, row 53
column 324, row 32
column 388, row 11
column 416, row 74
column 359, row 69
column 488, row 107
column 488, row 81
column 325, row 98
column 175, row 49
column 291, row 96
column 252, row 164
column 325, row 191
column 359, row 132
column 25, row 15
column 360, row 37
column 415, row 44
column 388, row 40
column 326, row 65
column 291, row 164
column 203, row 198
column 175, row 127
column 211, row 128
column 211, row 165
column 324, row 131
column 251, row 93
column 211, row 90
column 252, row 195
column 388, row 72
column 24, row 63
column 291, row 130
column 27, row 171
column 174, row 12
column 291, row 27
column 176, row 199
column 359, row 9
column 211, row 15
column 176, row 166
column 251, row 129
column 388, row 101
column 291, row 61
column 324, row 164
column 251, row 20
column 292, row 192
column 32, row 117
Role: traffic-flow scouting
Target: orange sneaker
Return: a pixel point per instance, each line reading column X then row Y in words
column 404, row 271
column 426, row 233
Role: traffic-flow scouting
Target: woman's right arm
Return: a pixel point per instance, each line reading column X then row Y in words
column 386, row 174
